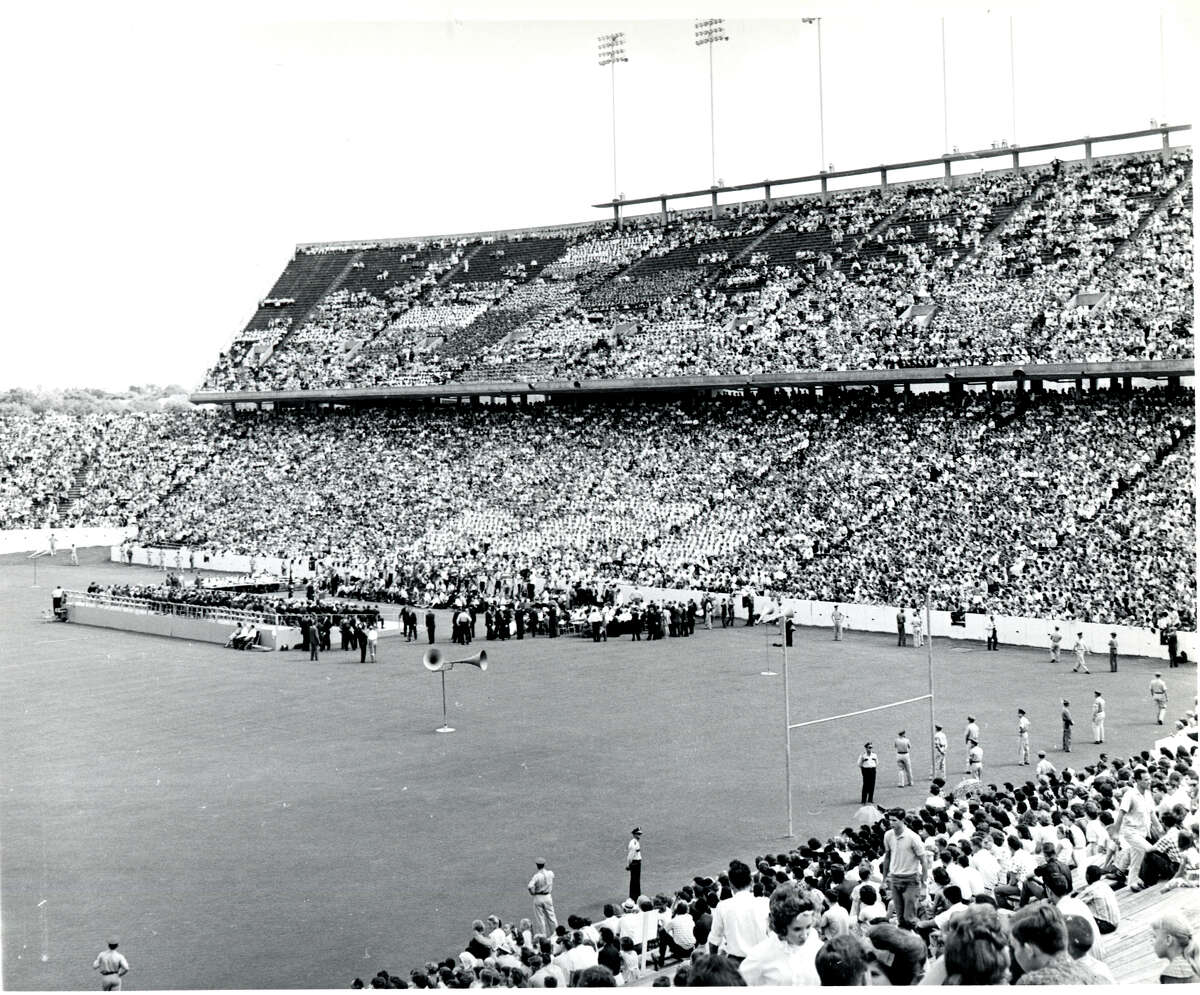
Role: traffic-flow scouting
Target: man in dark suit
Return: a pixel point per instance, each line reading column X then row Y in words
column 552, row 619
column 635, row 623
column 430, row 624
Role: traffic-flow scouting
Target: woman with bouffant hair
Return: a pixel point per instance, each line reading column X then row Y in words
column 788, row 955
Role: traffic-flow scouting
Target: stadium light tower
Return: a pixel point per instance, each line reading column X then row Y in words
column 945, row 96
column 1012, row 77
column 612, row 51
column 820, row 84
column 708, row 32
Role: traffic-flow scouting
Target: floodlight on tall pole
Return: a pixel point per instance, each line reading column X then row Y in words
column 820, row 84
column 1012, row 78
column 708, row 32
column 1162, row 65
column 945, row 96
column 612, row 51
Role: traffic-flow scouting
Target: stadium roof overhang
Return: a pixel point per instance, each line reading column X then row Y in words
column 808, row 379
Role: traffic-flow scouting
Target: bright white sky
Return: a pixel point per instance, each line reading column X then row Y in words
column 164, row 159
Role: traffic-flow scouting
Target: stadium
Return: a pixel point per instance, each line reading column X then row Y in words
column 719, row 553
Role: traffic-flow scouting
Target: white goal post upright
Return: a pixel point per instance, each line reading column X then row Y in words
column 789, row 725
column 929, row 657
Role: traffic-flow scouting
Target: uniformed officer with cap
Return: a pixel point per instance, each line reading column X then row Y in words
column 868, row 763
column 112, row 966
column 540, row 887
column 633, row 864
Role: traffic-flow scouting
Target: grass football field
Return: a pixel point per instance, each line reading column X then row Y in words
column 253, row 820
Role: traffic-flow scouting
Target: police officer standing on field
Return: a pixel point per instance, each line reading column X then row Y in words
column 904, row 760
column 633, row 864
column 112, row 967
column 868, row 764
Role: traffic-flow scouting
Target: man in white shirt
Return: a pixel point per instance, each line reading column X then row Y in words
column 906, row 868
column 970, row 736
column 541, row 885
column 1133, row 823
column 1022, row 738
column 1044, row 767
column 1098, row 709
column 940, row 745
column 112, row 966
column 739, row 923
column 985, row 863
column 1018, row 866
column 962, row 874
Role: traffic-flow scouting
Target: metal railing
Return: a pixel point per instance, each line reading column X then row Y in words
column 153, row 606
column 1013, row 152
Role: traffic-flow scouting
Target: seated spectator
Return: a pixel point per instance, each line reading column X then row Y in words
column 895, row 956
column 1188, row 874
column 596, row 976
column 976, row 950
column 787, row 955
column 1040, row 947
column 713, row 971
column 842, row 961
column 1079, row 945
column 678, row 936
column 871, row 909
column 1176, row 943
column 1099, row 898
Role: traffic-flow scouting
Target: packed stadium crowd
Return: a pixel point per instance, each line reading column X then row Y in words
column 1047, row 265
column 984, row 884
column 991, row 502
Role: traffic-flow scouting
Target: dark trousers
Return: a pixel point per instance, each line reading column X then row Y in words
column 429, row 629
column 868, row 784
column 595, row 632
column 635, row 879
column 993, row 641
column 1112, row 662
column 362, row 648
column 900, row 642
column 312, row 647
column 666, row 942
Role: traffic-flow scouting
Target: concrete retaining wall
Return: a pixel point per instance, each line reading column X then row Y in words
column 177, row 626
column 1013, row 631
column 34, row 540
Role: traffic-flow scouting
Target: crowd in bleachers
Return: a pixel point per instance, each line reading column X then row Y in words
column 1016, row 293
column 39, row 456
column 997, row 269
column 1052, row 505
column 984, row 884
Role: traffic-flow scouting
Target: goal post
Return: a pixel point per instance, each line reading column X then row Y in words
column 789, row 725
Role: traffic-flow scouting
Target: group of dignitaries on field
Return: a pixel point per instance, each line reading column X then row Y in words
column 552, row 617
